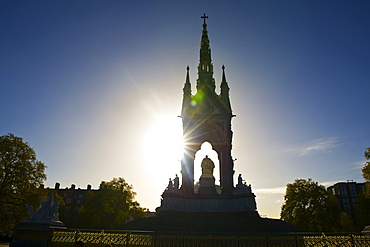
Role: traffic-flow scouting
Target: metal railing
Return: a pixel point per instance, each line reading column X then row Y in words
column 137, row 238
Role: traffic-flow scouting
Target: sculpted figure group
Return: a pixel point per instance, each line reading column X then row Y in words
column 242, row 188
column 47, row 211
column 173, row 185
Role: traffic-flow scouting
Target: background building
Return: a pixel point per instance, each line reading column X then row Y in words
column 346, row 195
column 73, row 199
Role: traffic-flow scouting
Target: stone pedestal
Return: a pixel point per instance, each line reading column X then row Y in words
column 207, row 200
column 28, row 234
column 37, row 231
column 210, row 204
column 207, row 186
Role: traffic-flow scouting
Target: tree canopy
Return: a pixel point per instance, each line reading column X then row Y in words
column 309, row 206
column 21, row 176
column 364, row 197
column 110, row 206
column 366, row 168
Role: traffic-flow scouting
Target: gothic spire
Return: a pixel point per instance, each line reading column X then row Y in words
column 187, row 85
column 225, row 89
column 186, row 92
column 205, row 67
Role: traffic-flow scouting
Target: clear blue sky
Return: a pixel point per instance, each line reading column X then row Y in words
column 87, row 83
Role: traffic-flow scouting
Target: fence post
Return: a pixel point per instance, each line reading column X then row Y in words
column 296, row 239
column 352, row 240
column 76, row 236
column 101, row 236
column 127, row 238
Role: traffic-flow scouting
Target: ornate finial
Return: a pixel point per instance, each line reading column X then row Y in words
column 204, row 17
column 223, row 67
column 187, row 68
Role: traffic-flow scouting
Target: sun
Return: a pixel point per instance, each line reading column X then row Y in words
column 163, row 147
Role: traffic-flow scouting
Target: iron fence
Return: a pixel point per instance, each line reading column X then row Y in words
column 136, row 238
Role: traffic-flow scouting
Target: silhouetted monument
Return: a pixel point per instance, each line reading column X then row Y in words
column 206, row 117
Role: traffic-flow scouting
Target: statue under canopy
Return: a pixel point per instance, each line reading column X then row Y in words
column 207, row 181
column 207, row 167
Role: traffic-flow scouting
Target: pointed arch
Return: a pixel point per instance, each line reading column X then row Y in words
column 206, row 148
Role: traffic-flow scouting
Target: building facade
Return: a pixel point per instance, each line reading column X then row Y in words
column 346, row 195
column 73, row 198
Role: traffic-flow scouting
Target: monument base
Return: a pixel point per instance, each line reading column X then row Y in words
column 197, row 213
column 215, row 204
column 208, row 211
column 37, row 230
column 34, row 235
column 242, row 200
column 223, row 223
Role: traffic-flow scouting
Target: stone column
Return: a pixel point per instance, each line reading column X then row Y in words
column 187, row 172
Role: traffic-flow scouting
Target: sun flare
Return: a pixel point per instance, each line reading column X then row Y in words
column 163, row 147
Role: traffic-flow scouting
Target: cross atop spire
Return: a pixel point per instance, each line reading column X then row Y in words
column 204, row 17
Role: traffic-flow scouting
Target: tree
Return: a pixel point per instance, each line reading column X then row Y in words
column 110, row 206
column 364, row 197
column 310, row 207
column 366, row 168
column 346, row 223
column 21, row 176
